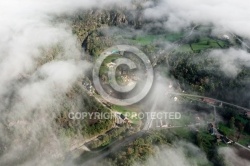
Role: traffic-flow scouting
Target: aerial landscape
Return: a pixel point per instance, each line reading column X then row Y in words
column 125, row 83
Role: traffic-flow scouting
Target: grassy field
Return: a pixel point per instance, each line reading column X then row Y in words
column 184, row 48
column 226, row 130
column 200, row 45
column 148, row 39
column 244, row 137
column 206, row 43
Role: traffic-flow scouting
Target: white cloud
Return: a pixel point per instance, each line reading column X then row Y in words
column 181, row 154
column 26, row 29
column 232, row 158
column 230, row 15
column 231, row 60
column 32, row 82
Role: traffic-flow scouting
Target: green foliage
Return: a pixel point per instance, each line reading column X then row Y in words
column 232, row 123
column 151, row 38
column 247, row 127
column 199, row 73
column 206, row 142
column 225, row 129
column 86, row 126
column 138, row 150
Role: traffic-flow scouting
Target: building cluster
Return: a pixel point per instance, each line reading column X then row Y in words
column 121, row 119
column 219, row 137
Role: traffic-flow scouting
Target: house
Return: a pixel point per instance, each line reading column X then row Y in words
column 247, row 114
column 226, row 140
column 175, row 98
column 88, row 86
column 122, row 116
column 118, row 119
column 218, row 138
column 100, row 137
column 115, row 52
column 211, row 129
column 110, row 65
column 197, row 120
column 226, row 37
column 209, row 101
column 121, row 119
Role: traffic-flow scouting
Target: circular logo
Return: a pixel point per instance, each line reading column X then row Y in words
column 123, row 75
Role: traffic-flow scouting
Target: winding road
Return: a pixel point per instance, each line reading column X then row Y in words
column 216, row 100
